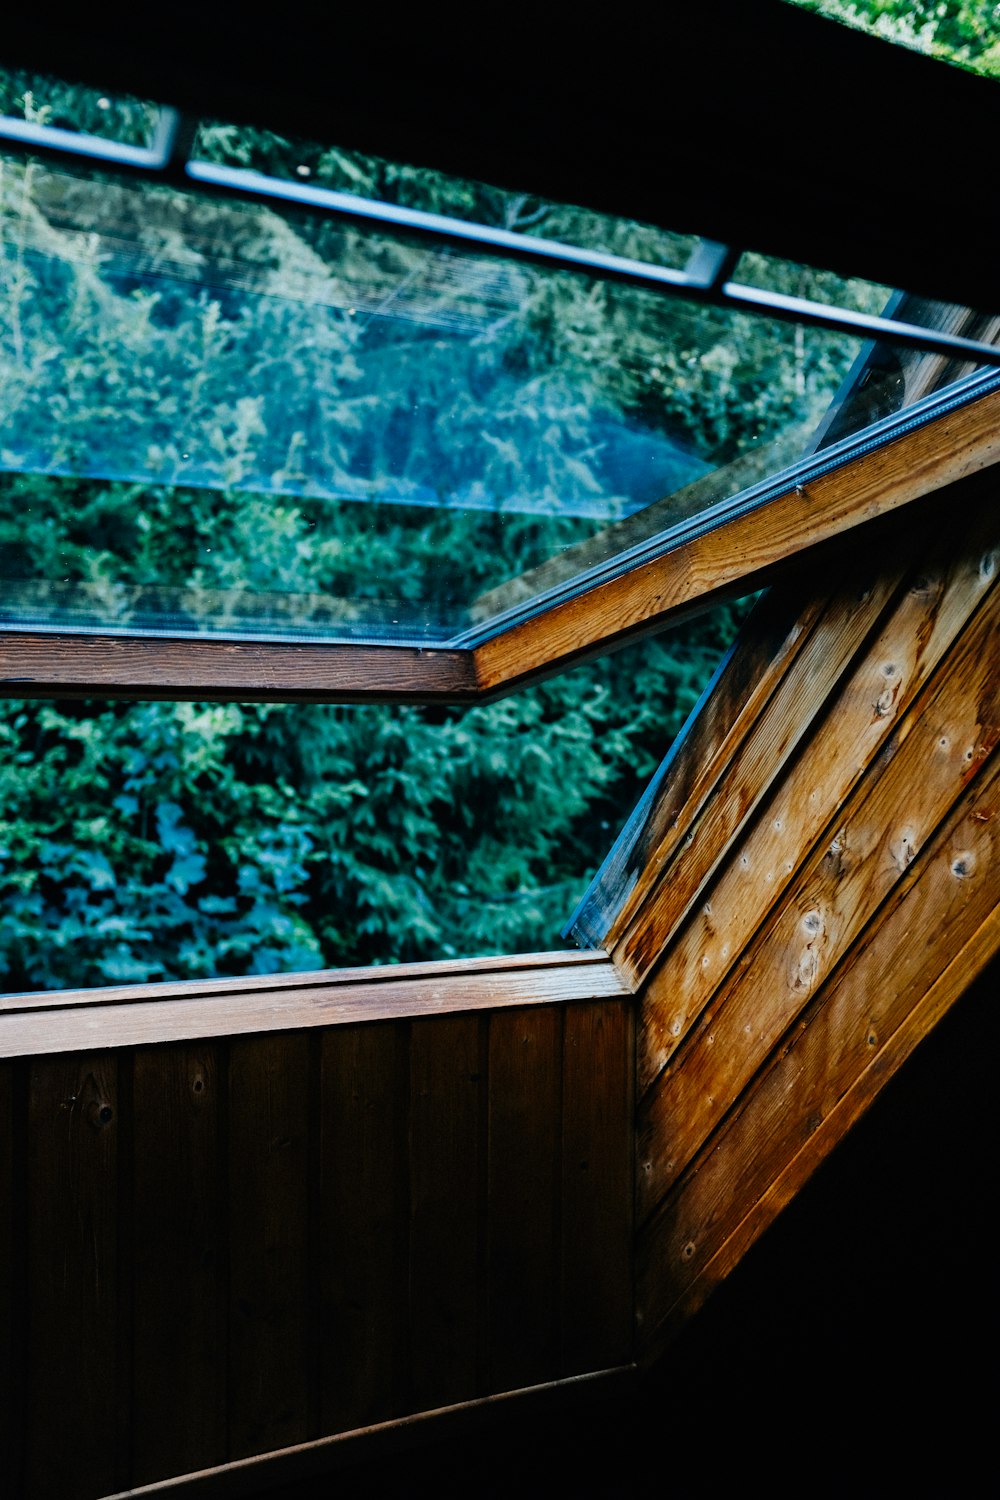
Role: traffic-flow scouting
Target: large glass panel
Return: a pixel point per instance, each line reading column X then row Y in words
column 39, row 99
column 151, row 841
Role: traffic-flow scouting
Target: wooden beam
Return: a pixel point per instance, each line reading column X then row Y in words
column 50, row 665
column 139, row 1015
column 746, row 552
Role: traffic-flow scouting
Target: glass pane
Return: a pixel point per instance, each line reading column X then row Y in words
column 376, row 179
column 221, row 417
column 794, row 280
column 192, row 840
column 41, row 100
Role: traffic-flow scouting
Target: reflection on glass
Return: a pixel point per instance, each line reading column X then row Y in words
column 215, row 416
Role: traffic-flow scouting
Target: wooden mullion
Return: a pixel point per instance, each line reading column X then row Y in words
column 42, row 664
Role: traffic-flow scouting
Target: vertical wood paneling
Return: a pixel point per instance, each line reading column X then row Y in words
column 269, row 1317
column 72, row 1422
column 10, row 1356
column 447, row 1092
column 597, row 1186
column 179, row 1192
column 525, row 1084
column 363, row 1224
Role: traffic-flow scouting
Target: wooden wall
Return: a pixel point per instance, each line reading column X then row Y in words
column 210, row 1249
column 813, row 880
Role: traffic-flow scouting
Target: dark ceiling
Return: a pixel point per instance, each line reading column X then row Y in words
column 752, row 123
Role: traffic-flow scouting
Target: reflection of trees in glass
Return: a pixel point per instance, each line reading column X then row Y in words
column 966, row 32
column 143, row 841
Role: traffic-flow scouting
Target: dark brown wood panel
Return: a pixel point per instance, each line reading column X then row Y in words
column 270, row 1319
column 448, row 1090
column 925, row 948
column 11, row 1223
column 73, row 1378
column 36, row 665
column 179, row 1258
column 597, row 1187
column 363, row 1225
column 525, row 1138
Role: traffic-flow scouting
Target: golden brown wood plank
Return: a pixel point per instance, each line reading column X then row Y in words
column 743, row 554
column 270, row 1320
column 844, row 740
column 759, row 761
column 179, row 1261
column 930, row 941
column 597, row 1186
column 73, row 1377
column 363, row 1224
column 891, row 816
column 525, row 1136
column 54, row 1022
column 44, row 665
column 447, row 1180
column 748, row 676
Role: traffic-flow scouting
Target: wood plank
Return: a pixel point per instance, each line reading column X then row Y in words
column 745, row 552
column 596, row 1309
column 38, row 664
column 145, row 1014
column 525, row 1138
column 844, row 738
column 72, row 1376
column 447, row 1243
column 270, row 1320
column 12, row 1230
column 719, row 723
column 363, row 1224
column 180, row 1283
column 685, row 871
column 930, row 941
column 894, row 811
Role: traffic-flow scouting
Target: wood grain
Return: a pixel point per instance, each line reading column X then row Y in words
column 525, row 1139
column 925, row 947
column 363, row 1224
column 140, row 1015
column 177, row 1221
column 270, row 1319
column 72, row 1436
column 448, row 1090
column 49, row 665
column 891, row 814
column 743, row 553
column 597, row 1186
column 843, row 740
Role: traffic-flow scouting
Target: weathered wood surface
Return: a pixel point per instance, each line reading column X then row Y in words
column 138, row 1015
column 926, row 946
column 46, row 665
column 823, row 913
column 744, row 553
column 806, row 949
column 236, row 1245
column 849, row 730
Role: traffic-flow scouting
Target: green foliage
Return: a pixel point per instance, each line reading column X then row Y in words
column 219, row 416
column 965, row 32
